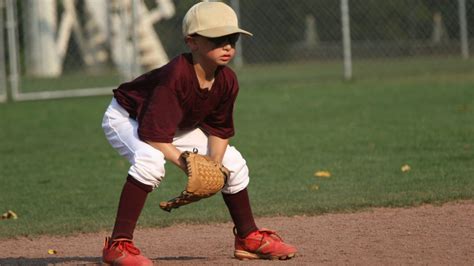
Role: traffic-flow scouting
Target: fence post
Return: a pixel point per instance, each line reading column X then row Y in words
column 238, row 60
column 463, row 29
column 346, row 39
column 135, row 23
column 14, row 76
column 3, row 63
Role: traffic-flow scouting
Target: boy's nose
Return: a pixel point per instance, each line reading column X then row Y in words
column 227, row 46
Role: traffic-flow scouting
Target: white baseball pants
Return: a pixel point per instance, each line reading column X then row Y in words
column 148, row 163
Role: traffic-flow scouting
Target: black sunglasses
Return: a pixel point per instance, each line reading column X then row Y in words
column 221, row 41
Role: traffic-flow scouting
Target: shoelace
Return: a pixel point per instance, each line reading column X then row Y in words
column 263, row 233
column 270, row 234
column 126, row 246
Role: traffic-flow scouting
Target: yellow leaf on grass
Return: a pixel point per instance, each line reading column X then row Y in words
column 405, row 168
column 9, row 215
column 52, row 252
column 322, row 174
column 313, row 187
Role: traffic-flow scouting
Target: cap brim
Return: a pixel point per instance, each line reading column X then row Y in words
column 222, row 31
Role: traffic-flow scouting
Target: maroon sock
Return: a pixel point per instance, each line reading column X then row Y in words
column 241, row 212
column 131, row 203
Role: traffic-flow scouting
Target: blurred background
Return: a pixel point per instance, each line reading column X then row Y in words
column 67, row 48
column 379, row 94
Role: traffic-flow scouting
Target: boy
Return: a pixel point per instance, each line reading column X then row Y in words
column 184, row 105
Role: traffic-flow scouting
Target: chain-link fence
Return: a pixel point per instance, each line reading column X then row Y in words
column 311, row 30
column 61, row 48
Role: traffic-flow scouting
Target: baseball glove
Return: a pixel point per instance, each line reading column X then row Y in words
column 205, row 178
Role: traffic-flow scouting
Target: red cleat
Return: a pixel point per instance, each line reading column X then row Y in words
column 262, row 244
column 123, row 252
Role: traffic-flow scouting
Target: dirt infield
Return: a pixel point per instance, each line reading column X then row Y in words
column 428, row 235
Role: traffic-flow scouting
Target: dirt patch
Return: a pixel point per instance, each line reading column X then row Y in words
column 440, row 235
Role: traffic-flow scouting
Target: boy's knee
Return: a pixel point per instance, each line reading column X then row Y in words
column 148, row 167
column 239, row 177
column 233, row 158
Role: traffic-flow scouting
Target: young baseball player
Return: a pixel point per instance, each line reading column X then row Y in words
column 186, row 104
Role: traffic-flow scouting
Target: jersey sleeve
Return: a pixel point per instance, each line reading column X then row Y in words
column 220, row 122
column 160, row 116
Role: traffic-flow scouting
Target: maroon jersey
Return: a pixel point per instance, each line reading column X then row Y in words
column 169, row 98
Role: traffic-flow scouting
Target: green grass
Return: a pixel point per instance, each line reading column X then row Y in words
column 68, row 81
column 59, row 174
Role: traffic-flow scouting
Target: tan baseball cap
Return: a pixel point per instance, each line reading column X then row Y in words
column 211, row 19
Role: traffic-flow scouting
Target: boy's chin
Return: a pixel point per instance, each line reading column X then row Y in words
column 223, row 63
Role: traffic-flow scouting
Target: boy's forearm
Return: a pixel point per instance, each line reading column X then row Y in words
column 217, row 147
column 170, row 152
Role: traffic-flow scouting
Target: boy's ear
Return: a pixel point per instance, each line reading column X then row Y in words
column 191, row 43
